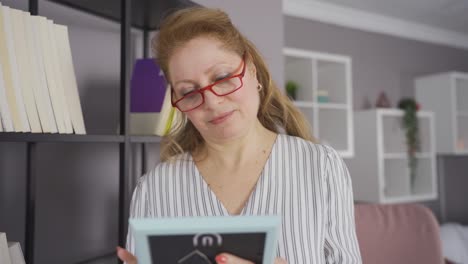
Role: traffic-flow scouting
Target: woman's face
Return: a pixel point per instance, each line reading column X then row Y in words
column 201, row 62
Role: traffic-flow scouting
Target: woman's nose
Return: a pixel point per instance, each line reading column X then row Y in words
column 211, row 99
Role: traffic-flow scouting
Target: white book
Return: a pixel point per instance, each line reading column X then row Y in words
column 58, row 76
column 1, row 125
column 144, row 123
column 15, row 75
column 69, row 79
column 5, row 116
column 38, row 76
column 4, row 251
column 56, row 96
column 154, row 123
column 24, row 69
column 16, row 254
column 7, row 67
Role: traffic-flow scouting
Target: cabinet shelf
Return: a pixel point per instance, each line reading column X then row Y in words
column 380, row 169
column 446, row 94
column 332, row 106
column 145, row 14
column 308, row 104
column 409, row 199
column 422, row 155
column 324, row 95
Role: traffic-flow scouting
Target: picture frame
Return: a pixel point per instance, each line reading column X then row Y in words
column 199, row 239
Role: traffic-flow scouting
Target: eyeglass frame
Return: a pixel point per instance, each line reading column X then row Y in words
column 210, row 88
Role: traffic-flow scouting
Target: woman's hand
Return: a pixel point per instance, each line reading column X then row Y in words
column 126, row 256
column 223, row 258
column 226, row 258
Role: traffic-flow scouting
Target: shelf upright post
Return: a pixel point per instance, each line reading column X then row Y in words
column 30, row 202
column 34, row 7
column 30, row 180
column 145, row 55
column 125, row 161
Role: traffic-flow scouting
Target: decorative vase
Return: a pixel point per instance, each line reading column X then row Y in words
column 382, row 101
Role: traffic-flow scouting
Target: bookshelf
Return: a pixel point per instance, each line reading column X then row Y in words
column 324, row 95
column 380, row 171
column 137, row 14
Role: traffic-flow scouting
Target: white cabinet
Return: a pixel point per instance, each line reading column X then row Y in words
column 447, row 96
column 380, row 171
column 324, row 95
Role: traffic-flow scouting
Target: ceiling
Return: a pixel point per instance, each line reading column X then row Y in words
column 443, row 14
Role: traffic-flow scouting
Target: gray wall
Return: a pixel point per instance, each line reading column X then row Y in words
column 261, row 21
column 77, row 184
column 386, row 63
column 380, row 62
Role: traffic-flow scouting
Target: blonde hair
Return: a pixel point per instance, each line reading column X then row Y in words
column 276, row 111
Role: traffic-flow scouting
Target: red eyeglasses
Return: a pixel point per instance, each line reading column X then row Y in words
column 222, row 87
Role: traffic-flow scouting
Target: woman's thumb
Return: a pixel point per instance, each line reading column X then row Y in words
column 226, row 258
column 126, row 256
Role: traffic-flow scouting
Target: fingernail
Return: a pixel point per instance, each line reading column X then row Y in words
column 221, row 259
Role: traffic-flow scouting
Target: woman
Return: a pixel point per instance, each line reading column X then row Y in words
column 228, row 156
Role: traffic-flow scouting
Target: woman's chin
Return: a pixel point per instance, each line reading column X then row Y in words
column 225, row 134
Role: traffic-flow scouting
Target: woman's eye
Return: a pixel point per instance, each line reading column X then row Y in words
column 184, row 91
column 224, row 76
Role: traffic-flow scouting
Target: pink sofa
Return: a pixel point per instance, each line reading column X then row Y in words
column 398, row 234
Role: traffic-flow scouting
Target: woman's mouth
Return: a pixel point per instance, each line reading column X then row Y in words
column 221, row 118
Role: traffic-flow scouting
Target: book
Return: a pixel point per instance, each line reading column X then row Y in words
column 155, row 123
column 69, row 79
column 4, row 251
column 5, row 117
column 53, row 85
column 10, row 73
column 16, row 254
column 200, row 239
column 151, row 111
column 24, row 69
column 41, row 90
column 61, row 90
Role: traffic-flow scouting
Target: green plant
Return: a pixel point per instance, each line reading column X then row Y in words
column 291, row 89
column 410, row 124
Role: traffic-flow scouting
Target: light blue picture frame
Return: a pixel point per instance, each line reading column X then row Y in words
column 142, row 228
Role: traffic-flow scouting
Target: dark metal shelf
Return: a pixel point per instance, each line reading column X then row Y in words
column 142, row 14
column 146, row 14
column 145, row 139
column 65, row 138
column 72, row 138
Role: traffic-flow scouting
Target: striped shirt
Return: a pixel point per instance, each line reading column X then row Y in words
column 307, row 184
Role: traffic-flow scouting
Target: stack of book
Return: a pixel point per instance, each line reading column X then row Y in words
column 10, row 252
column 151, row 111
column 38, row 88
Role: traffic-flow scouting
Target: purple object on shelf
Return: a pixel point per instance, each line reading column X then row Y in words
column 147, row 87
